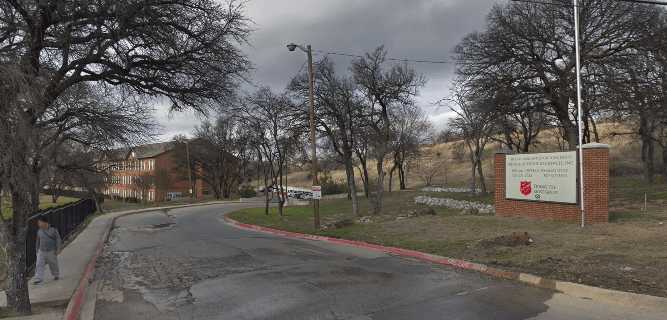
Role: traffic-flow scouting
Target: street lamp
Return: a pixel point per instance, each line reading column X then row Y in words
column 311, row 79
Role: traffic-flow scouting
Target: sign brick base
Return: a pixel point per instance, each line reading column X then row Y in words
column 596, row 192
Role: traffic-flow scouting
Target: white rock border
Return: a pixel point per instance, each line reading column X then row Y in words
column 455, row 204
column 453, row 190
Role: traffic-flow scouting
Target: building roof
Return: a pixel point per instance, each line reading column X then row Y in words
column 141, row 152
column 152, row 150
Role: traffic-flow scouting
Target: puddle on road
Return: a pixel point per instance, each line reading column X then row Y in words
column 152, row 228
column 163, row 225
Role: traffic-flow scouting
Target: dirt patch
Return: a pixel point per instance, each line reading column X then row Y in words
column 516, row 239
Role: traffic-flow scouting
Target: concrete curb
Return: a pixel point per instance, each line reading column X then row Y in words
column 76, row 302
column 628, row 299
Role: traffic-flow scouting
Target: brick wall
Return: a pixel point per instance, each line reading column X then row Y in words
column 596, row 192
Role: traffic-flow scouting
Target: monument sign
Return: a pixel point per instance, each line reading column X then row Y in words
column 543, row 177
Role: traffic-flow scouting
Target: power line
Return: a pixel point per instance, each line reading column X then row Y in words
column 662, row 3
column 300, row 69
column 544, row 2
column 391, row 59
column 569, row 5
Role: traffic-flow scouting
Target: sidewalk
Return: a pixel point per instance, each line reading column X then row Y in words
column 75, row 258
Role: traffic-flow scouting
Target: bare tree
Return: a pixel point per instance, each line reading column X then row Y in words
column 476, row 124
column 411, row 130
column 338, row 108
column 361, row 150
column 429, row 166
column 531, row 46
column 384, row 89
column 143, row 184
column 211, row 155
column 638, row 83
column 278, row 128
column 184, row 50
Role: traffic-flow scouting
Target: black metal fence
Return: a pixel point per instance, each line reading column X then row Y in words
column 65, row 218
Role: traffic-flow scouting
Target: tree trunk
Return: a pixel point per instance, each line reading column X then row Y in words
column 401, row 176
column 351, row 183
column 376, row 199
column 648, row 148
column 281, row 205
column 365, row 179
column 473, row 175
column 18, row 297
column 54, row 196
column 98, row 203
column 649, row 164
column 217, row 192
column 17, row 279
column 391, row 176
column 664, row 163
column 267, row 200
column 563, row 116
column 480, row 171
column 596, row 134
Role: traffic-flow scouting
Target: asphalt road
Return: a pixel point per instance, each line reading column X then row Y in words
column 189, row 264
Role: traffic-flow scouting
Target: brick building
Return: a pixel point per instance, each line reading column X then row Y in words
column 149, row 172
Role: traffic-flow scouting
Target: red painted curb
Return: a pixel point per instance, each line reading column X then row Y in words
column 451, row 262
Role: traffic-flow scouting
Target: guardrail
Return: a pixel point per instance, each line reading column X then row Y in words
column 65, row 218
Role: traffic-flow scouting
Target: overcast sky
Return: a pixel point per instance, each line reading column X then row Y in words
column 412, row 29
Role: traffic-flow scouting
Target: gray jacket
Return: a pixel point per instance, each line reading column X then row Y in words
column 48, row 240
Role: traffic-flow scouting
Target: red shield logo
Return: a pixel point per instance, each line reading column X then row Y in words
column 526, row 188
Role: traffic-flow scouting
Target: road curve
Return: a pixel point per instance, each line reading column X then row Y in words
column 189, row 264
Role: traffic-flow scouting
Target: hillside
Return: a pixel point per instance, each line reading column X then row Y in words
column 625, row 159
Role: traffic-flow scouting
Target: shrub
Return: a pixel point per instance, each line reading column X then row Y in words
column 331, row 186
column 247, row 191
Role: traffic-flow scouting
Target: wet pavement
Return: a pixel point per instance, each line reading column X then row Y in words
column 188, row 264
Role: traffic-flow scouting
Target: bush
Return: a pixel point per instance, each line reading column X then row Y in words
column 247, row 191
column 330, row 186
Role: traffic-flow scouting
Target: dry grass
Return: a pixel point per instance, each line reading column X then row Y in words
column 624, row 159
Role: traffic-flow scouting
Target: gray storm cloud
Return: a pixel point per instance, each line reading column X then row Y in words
column 413, row 29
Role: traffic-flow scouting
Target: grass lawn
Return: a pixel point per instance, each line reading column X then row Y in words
column 627, row 254
column 45, row 202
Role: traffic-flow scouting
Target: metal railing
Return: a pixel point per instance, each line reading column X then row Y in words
column 65, row 218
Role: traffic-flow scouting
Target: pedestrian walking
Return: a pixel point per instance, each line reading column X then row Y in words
column 48, row 245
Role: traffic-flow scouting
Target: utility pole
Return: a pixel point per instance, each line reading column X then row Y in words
column 313, row 137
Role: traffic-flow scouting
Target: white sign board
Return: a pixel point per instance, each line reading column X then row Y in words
column 317, row 192
column 547, row 177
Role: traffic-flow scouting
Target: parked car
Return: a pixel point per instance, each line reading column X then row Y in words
column 302, row 195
